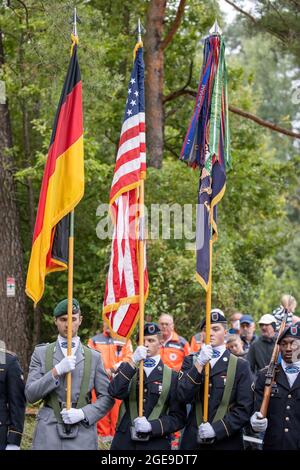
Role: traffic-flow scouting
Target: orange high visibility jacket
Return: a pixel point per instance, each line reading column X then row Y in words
column 196, row 342
column 174, row 351
column 113, row 351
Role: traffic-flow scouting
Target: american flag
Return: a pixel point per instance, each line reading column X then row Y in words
column 121, row 300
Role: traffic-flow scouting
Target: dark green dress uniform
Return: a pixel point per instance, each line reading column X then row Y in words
column 12, row 400
column 169, row 421
column 190, row 389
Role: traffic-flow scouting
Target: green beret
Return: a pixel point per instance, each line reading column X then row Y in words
column 62, row 308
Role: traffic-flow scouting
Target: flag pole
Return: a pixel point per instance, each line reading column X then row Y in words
column 215, row 30
column 141, row 271
column 207, row 327
column 70, row 279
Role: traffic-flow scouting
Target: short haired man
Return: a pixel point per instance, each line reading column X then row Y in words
column 174, row 348
column 260, row 351
column 12, row 400
column 282, row 424
column 56, row 427
column 162, row 412
column 230, row 394
column 247, row 331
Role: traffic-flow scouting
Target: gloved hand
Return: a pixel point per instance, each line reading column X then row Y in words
column 205, row 354
column 67, row 364
column 258, row 423
column 142, row 425
column 139, row 354
column 12, row 447
column 72, row 416
column 206, row 431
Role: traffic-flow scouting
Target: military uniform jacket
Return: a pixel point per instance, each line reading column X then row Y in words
column 168, row 423
column 283, row 431
column 40, row 383
column 12, row 400
column 191, row 388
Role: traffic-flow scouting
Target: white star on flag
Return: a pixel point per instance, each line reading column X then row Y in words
column 132, row 81
column 132, row 102
column 136, row 93
column 129, row 112
column 129, row 91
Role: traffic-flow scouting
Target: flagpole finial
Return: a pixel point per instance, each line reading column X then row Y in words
column 215, row 29
column 75, row 19
column 139, row 30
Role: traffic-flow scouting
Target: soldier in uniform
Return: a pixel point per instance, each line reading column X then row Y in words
column 282, row 424
column 12, row 401
column 56, row 427
column 163, row 414
column 230, row 394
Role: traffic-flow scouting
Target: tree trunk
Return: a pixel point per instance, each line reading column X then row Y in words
column 154, row 65
column 13, row 310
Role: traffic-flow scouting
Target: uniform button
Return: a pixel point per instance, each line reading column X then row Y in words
column 287, row 418
column 144, row 399
column 145, row 391
column 272, row 394
column 289, row 396
column 286, row 430
column 208, row 395
column 288, row 407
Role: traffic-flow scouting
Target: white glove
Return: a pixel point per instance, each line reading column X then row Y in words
column 139, row 354
column 206, row 431
column 12, row 447
column 72, row 416
column 67, row 364
column 258, row 423
column 142, row 425
column 205, row 354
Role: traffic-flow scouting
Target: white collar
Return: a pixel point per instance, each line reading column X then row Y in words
column 155, row 360
column 75, row 340
column 221, row 349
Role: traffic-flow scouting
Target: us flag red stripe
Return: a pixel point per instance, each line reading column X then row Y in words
column 121, row 299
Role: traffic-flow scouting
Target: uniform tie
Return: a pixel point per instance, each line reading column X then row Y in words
column 64, row 344
column 216, row 354
column 293, row 369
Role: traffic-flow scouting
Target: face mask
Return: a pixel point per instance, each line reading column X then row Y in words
column 236, row 324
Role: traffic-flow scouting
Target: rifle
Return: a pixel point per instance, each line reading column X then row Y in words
column 270, row 376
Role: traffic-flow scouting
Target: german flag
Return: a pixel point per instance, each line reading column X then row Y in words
column 62, row 185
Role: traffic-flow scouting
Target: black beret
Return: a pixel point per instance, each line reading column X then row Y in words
column 150, row 329
column 292, row 331
column 216, row 316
